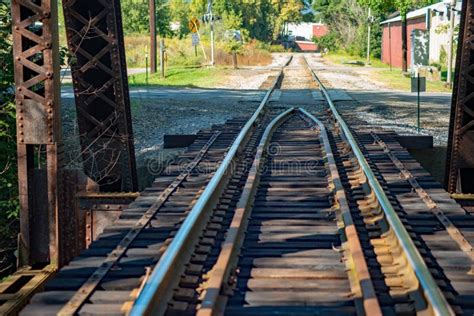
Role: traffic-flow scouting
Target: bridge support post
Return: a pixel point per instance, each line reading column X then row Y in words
column 36, row 65
column 95, row 40
column 460, row 154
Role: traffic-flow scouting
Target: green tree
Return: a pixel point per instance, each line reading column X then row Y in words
column 135, row 15
column 403, row 7
column 163, row 18
column 347, row 21
column 261, row 19
column 179, row 12
column 289, row 11
column 8, row 165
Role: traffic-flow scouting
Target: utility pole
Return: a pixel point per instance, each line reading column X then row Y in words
column 211, row 16
column 162, row 58
column 452, row 16
column 153, row 44
column 404, row 44
column 368, row 36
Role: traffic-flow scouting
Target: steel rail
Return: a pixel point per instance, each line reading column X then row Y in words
column 158, row 289
column 79, row 298
column 437, row 210
column 369, row 297
column 436, row 300
column 213, row 303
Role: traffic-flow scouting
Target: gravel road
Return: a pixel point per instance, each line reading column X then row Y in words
column 358, row 95
column 164, row 110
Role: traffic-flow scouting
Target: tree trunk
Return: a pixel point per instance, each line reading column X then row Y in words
column 404, row 45
column 234, row 60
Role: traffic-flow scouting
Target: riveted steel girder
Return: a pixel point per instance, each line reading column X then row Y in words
column 460, row 157
column 36, row 65
column 95, row 41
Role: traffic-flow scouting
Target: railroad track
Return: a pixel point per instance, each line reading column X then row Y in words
column 104, row 276
column 290, row 212
column 332, row 241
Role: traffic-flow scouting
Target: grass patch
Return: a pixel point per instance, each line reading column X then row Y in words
column 180, row 52
column 393, row 79
column 182, row 77
column 343, row 58
column 396, row 80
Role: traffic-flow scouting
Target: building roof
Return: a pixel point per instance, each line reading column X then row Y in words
column 440, row 6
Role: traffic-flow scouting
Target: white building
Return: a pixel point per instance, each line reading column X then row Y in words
column 439, row 29
column 306, row 30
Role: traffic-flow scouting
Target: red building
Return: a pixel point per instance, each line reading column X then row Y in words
column 304, row 33
column 319, row 30
column 392, row 36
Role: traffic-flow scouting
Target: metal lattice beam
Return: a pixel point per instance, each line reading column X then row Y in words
column 460, row 158
column 36, row 64
column 95, row 40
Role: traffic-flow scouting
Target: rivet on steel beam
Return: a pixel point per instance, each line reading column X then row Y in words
column 18, row 58
column 21, row 125
column 49, row 103
column 20, row 118
column 50, row 111
column 49, row 75
column 19, row 89
column 22, row 140
column 50, row 140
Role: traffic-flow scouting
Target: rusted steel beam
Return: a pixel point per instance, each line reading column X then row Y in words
column 95, row 41
column 36, row 64
column 16, row 291
column 460, row 156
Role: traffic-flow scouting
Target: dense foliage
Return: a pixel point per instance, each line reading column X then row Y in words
column 257, row 19
column 136, row 17
column 264, row 20
column 8, row 171
column 348, row 21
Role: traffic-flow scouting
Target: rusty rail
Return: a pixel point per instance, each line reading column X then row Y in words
column 435, row 298
column 79, row 298
column 437, row 210
column 370, row 302
column 158, row 289
column 213, row 302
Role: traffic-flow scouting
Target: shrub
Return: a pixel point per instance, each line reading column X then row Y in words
column 329, row 41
